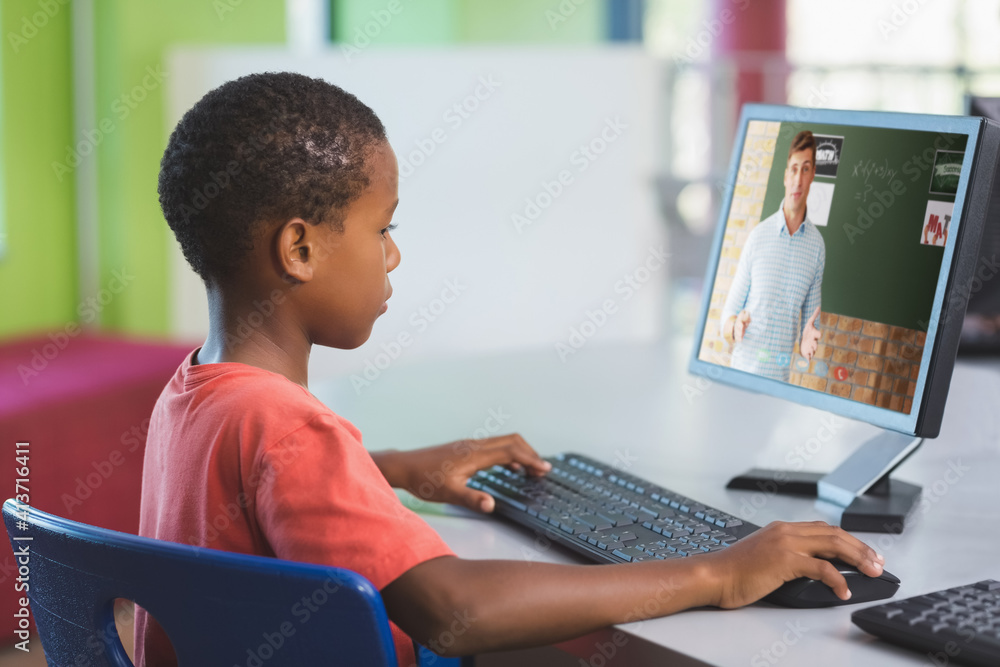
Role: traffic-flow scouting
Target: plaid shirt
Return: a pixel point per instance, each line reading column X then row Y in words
column 779, row 281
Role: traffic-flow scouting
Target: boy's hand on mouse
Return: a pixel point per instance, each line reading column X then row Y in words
column 440, row 473
column 758, row 564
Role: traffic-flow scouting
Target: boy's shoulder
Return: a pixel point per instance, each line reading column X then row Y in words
column 249, row 395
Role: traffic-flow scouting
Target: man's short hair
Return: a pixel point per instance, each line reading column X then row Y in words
column 803, row 141
column 262, row 149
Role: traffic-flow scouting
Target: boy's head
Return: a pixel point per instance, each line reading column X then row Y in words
column 281, row 178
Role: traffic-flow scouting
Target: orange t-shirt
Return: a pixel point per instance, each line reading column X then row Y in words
column 242, row 459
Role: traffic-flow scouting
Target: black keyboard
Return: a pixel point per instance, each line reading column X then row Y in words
column 960, row 625
column 608, row 515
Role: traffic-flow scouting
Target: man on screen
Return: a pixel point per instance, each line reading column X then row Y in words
column 775, row 296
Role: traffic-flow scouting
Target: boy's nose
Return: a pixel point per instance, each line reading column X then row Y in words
column 392, row 257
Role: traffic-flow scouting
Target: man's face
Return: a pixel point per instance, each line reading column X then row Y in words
column 799, row 175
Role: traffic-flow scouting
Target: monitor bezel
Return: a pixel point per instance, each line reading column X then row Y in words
column 925, row 391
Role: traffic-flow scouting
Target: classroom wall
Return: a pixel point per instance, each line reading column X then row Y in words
column 39, row 287
column 744, row 214
column 539, row 258
column 464, row 21
column 132, row 39
column 866, row 361
column 38, row 251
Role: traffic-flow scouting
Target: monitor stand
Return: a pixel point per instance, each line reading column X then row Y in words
column 870, row 500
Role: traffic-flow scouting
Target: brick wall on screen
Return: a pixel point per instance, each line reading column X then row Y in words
column 880, row 362
column 744, row 214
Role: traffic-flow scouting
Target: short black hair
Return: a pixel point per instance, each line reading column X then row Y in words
column 260, row 149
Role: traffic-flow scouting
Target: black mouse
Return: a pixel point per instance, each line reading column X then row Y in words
column 810, row 593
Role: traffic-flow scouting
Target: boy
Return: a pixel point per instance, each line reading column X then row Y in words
column 280, row 189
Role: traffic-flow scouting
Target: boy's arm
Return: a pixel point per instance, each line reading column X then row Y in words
column 439, row 473
column 486, row 605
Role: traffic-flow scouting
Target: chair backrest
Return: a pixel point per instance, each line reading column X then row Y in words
column 218, row 608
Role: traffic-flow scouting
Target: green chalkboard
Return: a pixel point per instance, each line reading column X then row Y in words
column 876, row 267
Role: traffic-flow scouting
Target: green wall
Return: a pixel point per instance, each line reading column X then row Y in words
column 465, row 21
column 38, row 267
column 132, row 39
column 38, row 261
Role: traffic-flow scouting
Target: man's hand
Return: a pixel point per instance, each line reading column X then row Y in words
column 756, row 565
column 439, row 473
column 740, row 325
column 810, row 337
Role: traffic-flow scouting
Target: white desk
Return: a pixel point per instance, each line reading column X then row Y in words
column 629, row 403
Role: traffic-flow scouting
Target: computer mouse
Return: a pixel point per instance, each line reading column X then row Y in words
column 811, row 593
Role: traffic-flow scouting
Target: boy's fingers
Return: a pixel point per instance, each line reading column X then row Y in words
column 837, row 543
column 516, row 452
column 477, row 501
column 860, row 558
column 826, row 572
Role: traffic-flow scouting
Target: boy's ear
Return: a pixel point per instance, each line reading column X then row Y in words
column 296, row 251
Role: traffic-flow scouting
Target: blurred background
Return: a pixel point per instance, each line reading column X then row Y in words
column 87, row 109
column 79, row 202
column 556, row 155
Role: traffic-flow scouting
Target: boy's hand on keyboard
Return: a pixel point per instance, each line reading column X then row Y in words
column 440, row 473
column 780, row 552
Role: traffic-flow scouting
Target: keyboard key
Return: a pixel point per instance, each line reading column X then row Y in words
column 651, row 511
column 617, row 519
column 916, row 604
column 888, row 611
column 628, row 553
column 573, row 527
column 592, row 521
column 624, row 536
column 504, row 496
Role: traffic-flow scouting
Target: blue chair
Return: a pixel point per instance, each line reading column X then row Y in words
column 218, row 608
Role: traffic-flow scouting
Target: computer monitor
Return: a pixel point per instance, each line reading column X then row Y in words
column 842, row 263
column 981, row 328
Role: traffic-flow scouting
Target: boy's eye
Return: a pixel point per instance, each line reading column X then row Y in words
column 387, row 229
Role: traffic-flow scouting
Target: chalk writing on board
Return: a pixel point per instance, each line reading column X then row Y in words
column 872, row 170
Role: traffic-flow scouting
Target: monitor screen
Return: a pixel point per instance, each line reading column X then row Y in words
column 833, row 257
